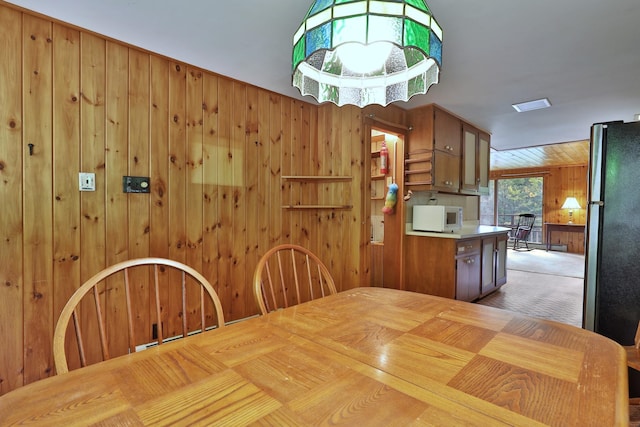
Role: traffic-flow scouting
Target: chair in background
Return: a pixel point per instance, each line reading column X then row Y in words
column 102, row 320
column 289, row 274
column 522, row 231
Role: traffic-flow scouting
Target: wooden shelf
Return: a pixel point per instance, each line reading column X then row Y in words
column 375, row 154
column 377, row 177
column 413, row 172
column 411, row 161
column 310, row 178
column 418, row 183
column 336, row 207
column 378, row 198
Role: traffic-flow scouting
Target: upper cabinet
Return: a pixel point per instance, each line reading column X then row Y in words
column 445, row 153
column 475, row 161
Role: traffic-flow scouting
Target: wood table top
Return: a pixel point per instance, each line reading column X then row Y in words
column 367, row 356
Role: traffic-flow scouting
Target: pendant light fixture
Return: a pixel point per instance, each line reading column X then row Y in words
column 365, row 52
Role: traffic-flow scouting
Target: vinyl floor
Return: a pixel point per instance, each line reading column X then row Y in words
column 547, row 285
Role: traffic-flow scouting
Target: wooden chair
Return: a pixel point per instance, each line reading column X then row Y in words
column 633, row 361
column 107, row 334
column 288, row 275
column 522, row 231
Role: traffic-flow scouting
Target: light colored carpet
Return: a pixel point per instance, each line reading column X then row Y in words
column 542, row 284
column 541, row 261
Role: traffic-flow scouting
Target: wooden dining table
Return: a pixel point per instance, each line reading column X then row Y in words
column 366, row 356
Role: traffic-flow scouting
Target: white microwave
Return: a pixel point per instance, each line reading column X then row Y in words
column 437, row 218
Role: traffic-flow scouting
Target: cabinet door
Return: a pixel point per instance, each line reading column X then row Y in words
column 467, row 277
column 446, row 172
column 501, row 259
column 484, row 147
column 470, row 172
column 488, row 264
column 447, row 132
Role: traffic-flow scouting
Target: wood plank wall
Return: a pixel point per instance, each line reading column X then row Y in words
column 559, row 183
column 214, row 148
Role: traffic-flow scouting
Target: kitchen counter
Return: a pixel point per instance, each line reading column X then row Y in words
column 466, row 232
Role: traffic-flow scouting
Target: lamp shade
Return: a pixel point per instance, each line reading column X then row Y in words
column 571, row 203
column 335, row 32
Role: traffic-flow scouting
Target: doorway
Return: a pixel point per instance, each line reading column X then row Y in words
column 384, row 228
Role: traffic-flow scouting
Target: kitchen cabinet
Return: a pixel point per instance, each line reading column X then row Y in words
column 494, row 263
column 433, row 149
column 445, row 153
column 484, row 147
column 468, row 269
column 463, row 269
column 475, row 161
column 501, row 259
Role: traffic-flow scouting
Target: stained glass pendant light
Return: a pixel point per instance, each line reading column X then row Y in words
column 365, row 52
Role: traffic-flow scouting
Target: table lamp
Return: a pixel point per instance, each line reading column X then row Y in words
column 571, row 203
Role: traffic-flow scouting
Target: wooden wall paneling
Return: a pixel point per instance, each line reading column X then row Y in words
column 561, row 183
column 12, row 148
column 337, row 225
column 225, row 196
column 290, row 166
column 66, row 155
column 327, row 218
column 296, row 151
column 137, row 163
column 238, row 200
column 286, row 120
column 92, row 159
column 159, row 239
column 314, row 125
column 368, row 269
column 253, row 203
column 354, row 242
column 194, row 187
column 307, row 164
column 264, row 208
column 360, row 221
column 116, row 219
column 37, row 198
column 178, row 213
column 279, row 108
column 159, row 160
column 210, row 159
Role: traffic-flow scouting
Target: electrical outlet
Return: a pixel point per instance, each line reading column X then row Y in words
column 87, row 181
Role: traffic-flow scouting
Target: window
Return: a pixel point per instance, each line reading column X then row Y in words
column 514, row 196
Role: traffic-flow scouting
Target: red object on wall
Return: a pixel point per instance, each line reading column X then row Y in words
column 384, row 159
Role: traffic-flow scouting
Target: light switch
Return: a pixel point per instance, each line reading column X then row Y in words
column 87, row 181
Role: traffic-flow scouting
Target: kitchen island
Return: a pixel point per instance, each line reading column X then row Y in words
column 466, row 264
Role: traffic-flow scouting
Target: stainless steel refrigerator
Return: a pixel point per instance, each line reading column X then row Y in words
column 612, row 259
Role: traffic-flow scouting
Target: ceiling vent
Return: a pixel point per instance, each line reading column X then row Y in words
column 536, row 104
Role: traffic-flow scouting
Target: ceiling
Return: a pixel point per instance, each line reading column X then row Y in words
column 583, row 55
column 541, row 156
